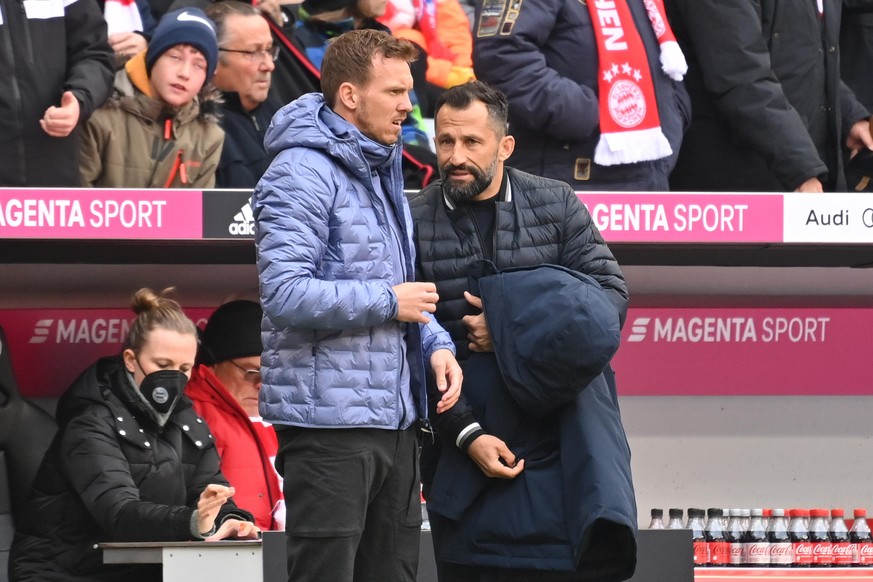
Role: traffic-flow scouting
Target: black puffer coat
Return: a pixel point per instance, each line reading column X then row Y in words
column 111, row 475
column 538, row 221
column 769, row 109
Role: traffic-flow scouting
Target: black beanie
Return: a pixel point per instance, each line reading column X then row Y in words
column 313, row 7
column 233, row 331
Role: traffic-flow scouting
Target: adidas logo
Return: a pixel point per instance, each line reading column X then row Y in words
column 243, row 222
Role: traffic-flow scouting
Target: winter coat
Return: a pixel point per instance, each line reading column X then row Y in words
column 544, row 57
column 547, row 391
column 770, row 111
column 538, row 221
column 856, row 41
column 332, row 346
column 135, row 141
column 111, row 475
column 47, row 48
column 247, row 453
column 243, row 159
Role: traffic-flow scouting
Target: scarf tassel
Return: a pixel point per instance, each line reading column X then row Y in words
column 673, row 61
column 630, row 147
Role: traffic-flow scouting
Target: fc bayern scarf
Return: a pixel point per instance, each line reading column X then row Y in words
column 630, row 127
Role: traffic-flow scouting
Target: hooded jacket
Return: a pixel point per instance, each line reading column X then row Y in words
column 243, row 159
column 111, row 475
column 247, row 454
column 47, row 48
column 333, row 350
column 137, row 141
column 548, row 392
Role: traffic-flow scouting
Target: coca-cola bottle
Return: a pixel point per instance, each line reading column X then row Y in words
column 675, row 521
column 734, row 536
column 862, row 542
column 698, row 536
column 781, row 554
column 800, row 546
column 841, row 547
column 717, row 544
column 657, row 519
column 746, row 518
column 820, row 538
column 756, row 548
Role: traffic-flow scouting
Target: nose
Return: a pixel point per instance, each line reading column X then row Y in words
column 458, row 155
column 185, row 69
column 267, row 64
column 406, row 103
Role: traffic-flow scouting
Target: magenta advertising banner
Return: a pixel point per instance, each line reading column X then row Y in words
column 49, row 348
column 686, row 218
column 101, row 214
column 745, row 351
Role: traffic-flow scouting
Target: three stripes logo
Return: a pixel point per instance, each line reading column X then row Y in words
column 243, row 222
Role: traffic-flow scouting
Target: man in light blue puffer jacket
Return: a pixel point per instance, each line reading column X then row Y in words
column 346, row 331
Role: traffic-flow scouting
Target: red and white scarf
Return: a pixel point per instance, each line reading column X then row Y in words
column 630, row 127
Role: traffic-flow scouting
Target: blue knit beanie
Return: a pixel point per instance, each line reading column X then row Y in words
column 187, row 26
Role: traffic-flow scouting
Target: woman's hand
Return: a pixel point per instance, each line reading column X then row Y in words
column 209, row 504
column 234, row 528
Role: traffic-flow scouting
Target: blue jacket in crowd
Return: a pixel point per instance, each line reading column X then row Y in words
column 327, row 212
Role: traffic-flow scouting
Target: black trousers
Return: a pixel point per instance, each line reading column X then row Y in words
column 352, row 503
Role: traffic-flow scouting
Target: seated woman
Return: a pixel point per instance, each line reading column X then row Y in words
column 132, row 461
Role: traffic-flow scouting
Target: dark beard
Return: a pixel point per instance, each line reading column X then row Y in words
column 462, row 194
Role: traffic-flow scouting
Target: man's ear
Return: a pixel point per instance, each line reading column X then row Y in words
column 348, row 95
column 505, row 148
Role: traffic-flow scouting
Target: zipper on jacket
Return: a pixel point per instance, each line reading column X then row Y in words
column 15, row 90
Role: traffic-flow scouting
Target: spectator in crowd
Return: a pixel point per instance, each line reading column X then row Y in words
column 856, row 40
column 159, row 129
column 245, row 66
column 553, row 349
column 593, row 87
column 129, row 26
column 770, row 110
column 442, row 29
column 224, row 389
column 56, row 71
column 132, row 461
column 347, row 331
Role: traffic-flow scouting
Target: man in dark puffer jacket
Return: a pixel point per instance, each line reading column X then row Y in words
column 481, row 210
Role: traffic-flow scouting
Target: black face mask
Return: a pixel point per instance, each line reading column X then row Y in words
column 162, row 389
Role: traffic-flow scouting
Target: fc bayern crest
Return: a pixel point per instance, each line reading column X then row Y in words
column 627, row 106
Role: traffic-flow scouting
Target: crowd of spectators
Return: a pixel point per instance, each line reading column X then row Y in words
column 778, row 111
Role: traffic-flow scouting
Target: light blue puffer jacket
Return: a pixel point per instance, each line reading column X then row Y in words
column 332, row 348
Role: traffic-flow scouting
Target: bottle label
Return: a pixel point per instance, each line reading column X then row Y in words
column 701, row 554
column 802, row 553
column 842, row 553
column 719, row 553
column 862, row 553
column 822, row 553
column 737, row 554
column 756, row 553
column 781, row 554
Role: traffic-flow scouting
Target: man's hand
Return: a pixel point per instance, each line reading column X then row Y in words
column 127, row 44
column 60, row 121
column 210, row 502
column 813, row 185
column 448, row 378
column 235, row 528
column 494, row 457
column 413, row 299
column 859, row 137
column 477, row 327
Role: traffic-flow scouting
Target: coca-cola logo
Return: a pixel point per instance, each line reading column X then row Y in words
column 803, row 550
column 759, row 550
column 842, row 550
column 866, row 550
column 780, row 550
column 822, row 549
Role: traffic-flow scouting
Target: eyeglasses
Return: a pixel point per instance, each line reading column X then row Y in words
column 256, row 56
column 251, row 376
